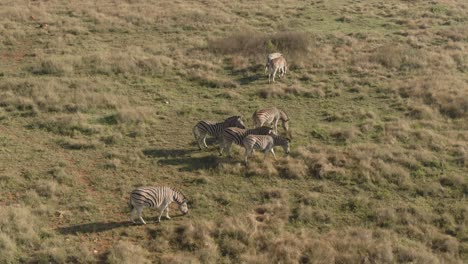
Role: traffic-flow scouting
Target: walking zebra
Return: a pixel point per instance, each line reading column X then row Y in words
column 265, row 144
column 236, row 135
column 274, row 65
column 204, row 128
column 270, row 57
column 272, row 115
column 158, row 197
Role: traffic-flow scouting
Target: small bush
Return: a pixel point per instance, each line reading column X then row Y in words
column 291, row 168
column 399, row 57
column 124, row 252
column 282, row 91
column 136, row 115
column 52, row 67
column 252, row 43
column 77, row 144
column 8, row 250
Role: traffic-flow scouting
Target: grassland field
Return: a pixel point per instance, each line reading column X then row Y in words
column 100, row 97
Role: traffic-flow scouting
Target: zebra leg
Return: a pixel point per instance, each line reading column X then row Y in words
column 221, row 147
column 274, row 74
column 228, row 148
column 139, row 215
column 273, row 152
column 196, row 135
column 162, row 211
column 276, row 126
column 167, row 213
column 132, row 215
column 204, row 140
column 246, row 154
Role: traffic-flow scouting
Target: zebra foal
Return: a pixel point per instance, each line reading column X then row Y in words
column 236, row 135
column 271, row 115
column 264, row 143
column 159, row 197
column 204, row 128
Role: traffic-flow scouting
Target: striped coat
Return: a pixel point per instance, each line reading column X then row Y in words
column 204, row 128
column 159, row 197
column 269, row 116
column 236, row 135
column 275, row 65
column 264, row 143
column 270, row 57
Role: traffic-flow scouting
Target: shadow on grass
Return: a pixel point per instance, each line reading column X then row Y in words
column 192, row 163
column 164, row 153
column 93, row 227
column 99, row 227
column 249, row 79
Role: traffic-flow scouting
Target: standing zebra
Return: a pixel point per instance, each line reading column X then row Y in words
column 275, row 65
column 159, row 197
column 265, row 144
column 272, row 115
column 270, row 57
column 236, row 135
column 204, row 128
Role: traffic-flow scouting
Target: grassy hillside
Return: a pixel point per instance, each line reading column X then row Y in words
column 100, row 97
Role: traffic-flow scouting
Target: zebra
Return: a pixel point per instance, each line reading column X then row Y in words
column 270, row 57
column 236, row 135
column 204, row 128
column 264, row 143
column 159, row 197
column 271, row 115
column 274, row 65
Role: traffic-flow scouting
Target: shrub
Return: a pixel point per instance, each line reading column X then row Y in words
column 53, row 67
column 77, row 144
column 125, row 252
column 8, row 250
column 252, row 43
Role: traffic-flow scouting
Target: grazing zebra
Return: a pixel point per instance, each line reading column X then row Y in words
column 275, row 65
column 204, row 128
column 236, row 135
column 272, row 115
column 159, row 197
column 270, row 57
column 265, row 144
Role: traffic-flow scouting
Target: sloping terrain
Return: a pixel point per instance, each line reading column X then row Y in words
column 100, row 97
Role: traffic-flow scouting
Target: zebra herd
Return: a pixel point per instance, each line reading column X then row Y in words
column 232, row 130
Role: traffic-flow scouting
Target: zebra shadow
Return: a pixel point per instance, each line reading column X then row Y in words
column 192, row 163
column 249, row 74
column 249, row 79
column 163, row 153
column 92, row 227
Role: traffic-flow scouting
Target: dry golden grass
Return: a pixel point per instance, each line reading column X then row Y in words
column 124, row 252
column 98, row 97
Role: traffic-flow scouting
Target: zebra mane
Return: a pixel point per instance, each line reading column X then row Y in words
column 177, row 195
column 231, row 120
column 279, row 139
column 261, row 129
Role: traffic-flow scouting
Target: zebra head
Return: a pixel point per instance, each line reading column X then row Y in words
column 286, row 146
column 283, row 142
column 235, row 121
column 183, row 207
